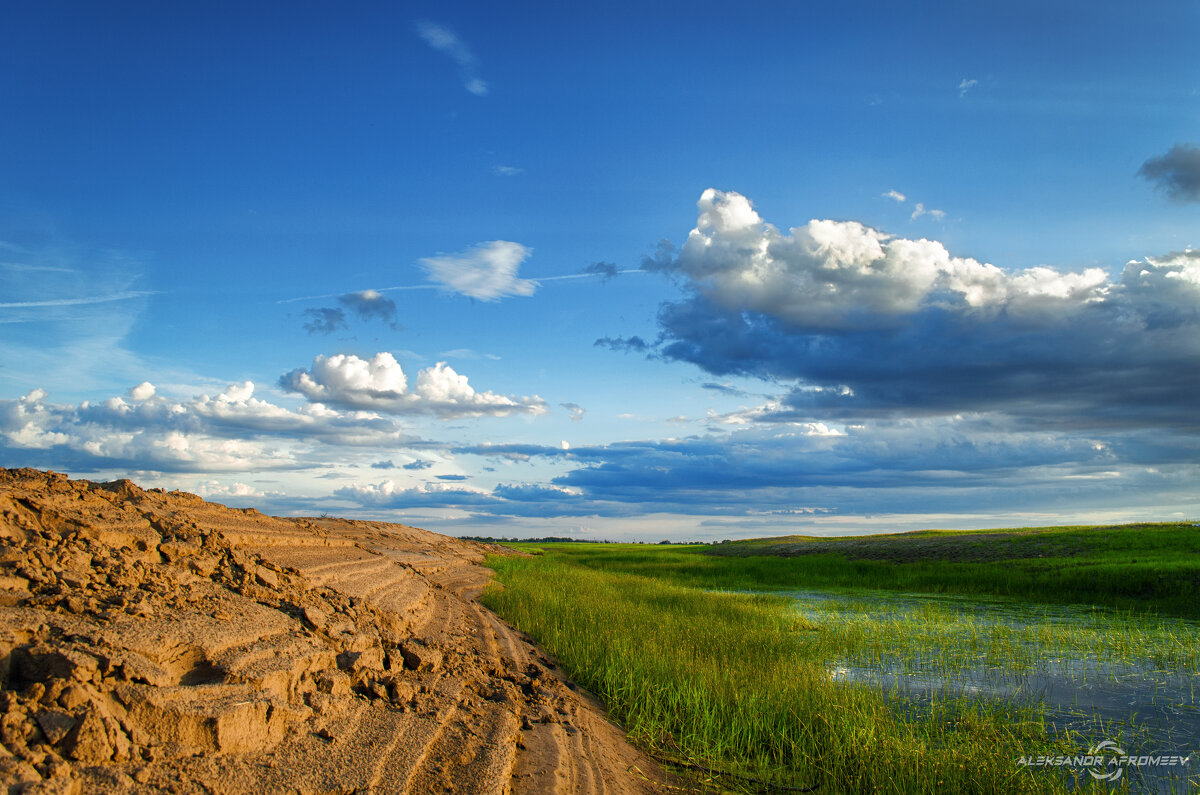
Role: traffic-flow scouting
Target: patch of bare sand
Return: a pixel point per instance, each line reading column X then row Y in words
column 155, row 642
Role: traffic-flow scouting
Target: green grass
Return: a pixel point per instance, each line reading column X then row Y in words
column 1146, row 568
column 740, row 683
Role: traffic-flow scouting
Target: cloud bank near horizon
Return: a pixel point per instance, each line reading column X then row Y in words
column 907, row 380
column 231, row 431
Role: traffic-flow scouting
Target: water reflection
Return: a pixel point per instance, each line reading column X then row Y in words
column 1093, row 694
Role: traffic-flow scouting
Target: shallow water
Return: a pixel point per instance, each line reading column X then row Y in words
column 1095, row 694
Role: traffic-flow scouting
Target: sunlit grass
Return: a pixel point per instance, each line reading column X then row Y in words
column 1140, row 568
column 1152, row 568
column 749, row 683
column 741, row 683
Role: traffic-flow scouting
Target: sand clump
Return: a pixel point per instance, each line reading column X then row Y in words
column 154, row 642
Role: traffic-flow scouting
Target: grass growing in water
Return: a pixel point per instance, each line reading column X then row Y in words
column 949, row 634
column 1100, row 674
column 739, row 682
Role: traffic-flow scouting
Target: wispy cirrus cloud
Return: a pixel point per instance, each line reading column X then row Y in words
column 446, row 41
column 124, row 295
column 920, row 210
column 487, row 271
column 468, row 353
column 68, row 312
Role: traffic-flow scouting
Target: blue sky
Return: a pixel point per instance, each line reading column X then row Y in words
column 678, row 271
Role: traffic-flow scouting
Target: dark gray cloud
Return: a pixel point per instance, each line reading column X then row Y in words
column 606, row 270
column 907, row 454
column 663, row 258
column 324, row 320
column 513, row 451
column 627, row 344
column 1102, row 371
column 866, row 324
column 371, row 305
column 917, row 466
column 1176, row 173
column 418, row 465
column 725, row 389
column 574, row 411
column 366, row 305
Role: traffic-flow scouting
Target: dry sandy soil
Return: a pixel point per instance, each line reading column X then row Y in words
column 154, row 642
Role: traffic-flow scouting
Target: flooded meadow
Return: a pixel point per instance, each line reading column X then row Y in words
column 1092, row 675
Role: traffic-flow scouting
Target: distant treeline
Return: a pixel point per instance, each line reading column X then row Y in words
column 566, row 540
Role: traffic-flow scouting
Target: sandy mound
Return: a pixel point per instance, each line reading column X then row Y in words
column 151, row 641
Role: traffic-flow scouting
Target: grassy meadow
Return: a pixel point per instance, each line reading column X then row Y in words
column 704, row 658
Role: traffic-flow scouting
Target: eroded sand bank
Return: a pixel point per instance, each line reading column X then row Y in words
column 151, row 641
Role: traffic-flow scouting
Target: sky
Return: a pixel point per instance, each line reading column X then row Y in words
column 684, row 271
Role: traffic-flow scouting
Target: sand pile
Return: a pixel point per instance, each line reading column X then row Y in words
column 151, row 641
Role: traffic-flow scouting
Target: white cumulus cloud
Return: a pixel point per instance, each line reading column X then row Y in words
column 380, row 384
column 843, row 274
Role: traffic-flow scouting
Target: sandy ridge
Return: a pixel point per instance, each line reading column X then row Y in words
column 154, row 642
